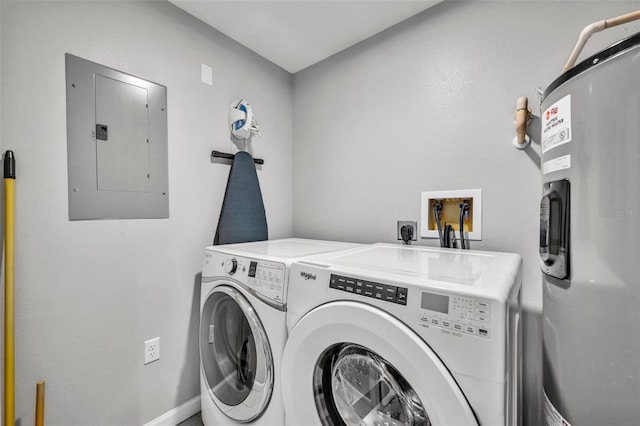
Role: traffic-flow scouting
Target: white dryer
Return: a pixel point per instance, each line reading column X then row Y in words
column 400, row 335
column 243, row 330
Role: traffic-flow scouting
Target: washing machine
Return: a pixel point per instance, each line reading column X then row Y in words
column 403, row 335
column 243, row 330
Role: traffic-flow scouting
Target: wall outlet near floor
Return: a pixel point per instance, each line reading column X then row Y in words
column 151, row 350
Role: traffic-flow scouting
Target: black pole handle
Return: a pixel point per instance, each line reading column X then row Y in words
column 219, row 154
column 9, row 165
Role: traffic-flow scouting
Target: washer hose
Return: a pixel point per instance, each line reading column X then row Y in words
column 437, row 208
column 464, row 208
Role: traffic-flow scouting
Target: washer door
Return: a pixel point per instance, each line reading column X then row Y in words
column 353, row 364
column 236, row 359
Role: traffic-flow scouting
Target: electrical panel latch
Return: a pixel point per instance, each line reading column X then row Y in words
column 102, row 132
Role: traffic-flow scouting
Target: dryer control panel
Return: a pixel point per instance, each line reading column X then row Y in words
column 460, row 314
column 263, row 277
column 267, row 278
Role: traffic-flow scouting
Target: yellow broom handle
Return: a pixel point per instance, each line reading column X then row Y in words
column 40, row 403
column 9, row 353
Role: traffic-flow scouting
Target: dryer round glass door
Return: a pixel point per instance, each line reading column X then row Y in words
column 350, row 363
column 236, row 360
column 356, row 386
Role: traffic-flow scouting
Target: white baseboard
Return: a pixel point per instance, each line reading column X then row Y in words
column 178, row 414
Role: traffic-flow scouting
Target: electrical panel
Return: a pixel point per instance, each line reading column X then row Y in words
column 116, row 144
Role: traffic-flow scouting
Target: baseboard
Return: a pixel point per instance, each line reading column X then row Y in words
column 178, row 414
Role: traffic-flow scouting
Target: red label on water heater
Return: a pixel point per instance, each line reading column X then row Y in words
column 556, row 124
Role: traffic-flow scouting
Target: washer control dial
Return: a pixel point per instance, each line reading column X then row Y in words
column 230, row 266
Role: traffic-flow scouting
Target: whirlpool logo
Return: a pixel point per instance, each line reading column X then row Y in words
column 308, row 276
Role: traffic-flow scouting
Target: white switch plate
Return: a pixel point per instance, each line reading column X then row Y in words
column 206, row 74
column 151, row 350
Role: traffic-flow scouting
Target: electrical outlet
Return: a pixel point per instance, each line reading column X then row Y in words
column 413, row 224
column 151, row 350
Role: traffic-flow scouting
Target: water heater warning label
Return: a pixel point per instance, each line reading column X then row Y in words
column 556, row 124
column 551, row 416
column 556, row 164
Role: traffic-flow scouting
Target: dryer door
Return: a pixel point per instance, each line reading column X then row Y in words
column 353, row 364
column 236, row 359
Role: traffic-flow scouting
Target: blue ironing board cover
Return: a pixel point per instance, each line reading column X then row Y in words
column 242, row 218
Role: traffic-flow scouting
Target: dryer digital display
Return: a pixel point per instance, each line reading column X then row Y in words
column 268, row 277
column 435, row 302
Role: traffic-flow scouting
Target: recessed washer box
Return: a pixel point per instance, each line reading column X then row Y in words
column 450, row 201
column 116, row 144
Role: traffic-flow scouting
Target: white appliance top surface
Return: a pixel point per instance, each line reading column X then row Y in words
column 490, row 271
column 285, row 249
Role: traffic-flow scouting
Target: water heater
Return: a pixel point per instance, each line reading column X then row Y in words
column 590, row 240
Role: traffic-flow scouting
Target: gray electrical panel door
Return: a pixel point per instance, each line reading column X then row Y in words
column 116, row 144
column 123, row 150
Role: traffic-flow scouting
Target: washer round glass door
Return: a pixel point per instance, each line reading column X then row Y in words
column 349, row 363
column 355, row 386
column 236, row 359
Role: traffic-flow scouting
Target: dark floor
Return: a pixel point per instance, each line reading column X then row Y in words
column 194, row 420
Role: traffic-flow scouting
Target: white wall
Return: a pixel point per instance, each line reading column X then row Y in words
column 429, row 105
column 90, row 292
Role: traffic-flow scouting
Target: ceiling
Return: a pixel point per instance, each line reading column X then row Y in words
column 295, row 34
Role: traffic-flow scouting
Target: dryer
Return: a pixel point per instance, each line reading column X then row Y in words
column 243, row 330
column 403, row 335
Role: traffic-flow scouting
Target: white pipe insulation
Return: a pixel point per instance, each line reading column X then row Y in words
column 582, row 40
column 594, row 28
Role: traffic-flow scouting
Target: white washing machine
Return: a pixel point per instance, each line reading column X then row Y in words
column 243, row 330
column 403, row 335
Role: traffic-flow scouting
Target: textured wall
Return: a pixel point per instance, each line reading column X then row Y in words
column 429, row 105
column 90, row 292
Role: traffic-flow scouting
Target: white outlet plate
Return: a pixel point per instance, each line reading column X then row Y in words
column 206, row 74
column 475, row 194
column 151, row 350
